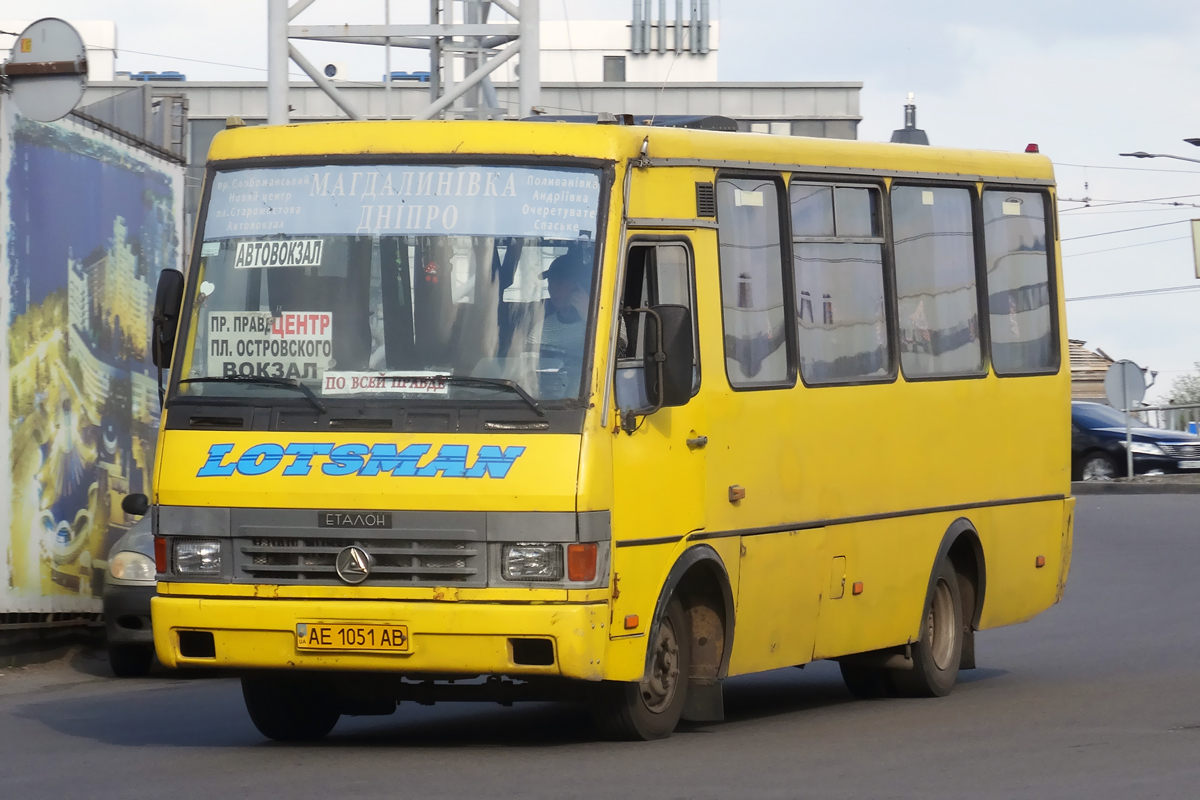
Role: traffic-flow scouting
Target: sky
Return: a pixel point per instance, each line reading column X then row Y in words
column 1085, row 80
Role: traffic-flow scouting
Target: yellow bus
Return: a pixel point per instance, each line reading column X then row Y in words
column 503, row 411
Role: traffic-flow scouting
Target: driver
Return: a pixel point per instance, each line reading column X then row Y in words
column 564, row 322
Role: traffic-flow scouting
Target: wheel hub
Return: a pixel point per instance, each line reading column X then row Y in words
column 659, row 688
column 939, row 625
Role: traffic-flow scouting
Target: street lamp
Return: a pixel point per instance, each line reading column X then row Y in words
column 1144, row 154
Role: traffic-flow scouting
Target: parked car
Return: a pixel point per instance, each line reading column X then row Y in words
column 127, row 592
column 1098, row 445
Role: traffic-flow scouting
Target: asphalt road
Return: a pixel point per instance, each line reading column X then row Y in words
column 1098, row 697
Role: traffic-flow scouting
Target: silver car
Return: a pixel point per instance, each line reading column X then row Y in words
column 127, row 592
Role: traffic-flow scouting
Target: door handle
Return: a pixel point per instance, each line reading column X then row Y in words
column 697, row 442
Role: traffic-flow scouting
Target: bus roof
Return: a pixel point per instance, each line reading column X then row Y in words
column 618, row 142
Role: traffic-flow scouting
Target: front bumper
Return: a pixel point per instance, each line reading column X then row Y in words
column 1169, row 465
column 452, row 638
column 127, row 613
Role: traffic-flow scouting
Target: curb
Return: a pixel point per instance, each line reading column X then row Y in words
column 1121, row 487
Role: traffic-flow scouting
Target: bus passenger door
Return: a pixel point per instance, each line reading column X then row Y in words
column 658, row 479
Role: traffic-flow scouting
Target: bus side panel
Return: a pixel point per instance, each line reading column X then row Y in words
column 666, row 193
column 888, row 610
column 1013, row 538
column 638, row 576
column 783, row 578
column 891, row 559
column 640, row 573
column 1068, row 542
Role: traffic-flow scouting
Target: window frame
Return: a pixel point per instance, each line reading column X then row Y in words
column 980, row 265
column 1049, row 209
column 783, row 209
column 654, row 240
column 576, row 406
column 613, row 60
column 887, row 259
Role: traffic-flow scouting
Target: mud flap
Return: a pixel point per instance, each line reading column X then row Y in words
column 705, row 702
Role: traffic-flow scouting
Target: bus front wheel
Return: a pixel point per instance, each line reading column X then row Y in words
column 290, row 708
column 650, row 709
column 937, row 653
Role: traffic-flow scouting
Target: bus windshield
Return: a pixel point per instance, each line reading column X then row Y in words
column 394, row 280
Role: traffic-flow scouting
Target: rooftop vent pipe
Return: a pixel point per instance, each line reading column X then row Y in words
column 910, row 133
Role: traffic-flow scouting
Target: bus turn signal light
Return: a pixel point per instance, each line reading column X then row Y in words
column 858, row 587
column 631, row 621
column 160, row 554
column 581, row 561
column 1040, row 561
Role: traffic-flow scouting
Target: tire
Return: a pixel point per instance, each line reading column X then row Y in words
column 650, row 709
column 1097, row 467
column 867, row 683
column 130, row 660
column 938, row 653
column 290, row 708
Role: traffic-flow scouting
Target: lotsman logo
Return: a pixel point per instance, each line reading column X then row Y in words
column 360, row 459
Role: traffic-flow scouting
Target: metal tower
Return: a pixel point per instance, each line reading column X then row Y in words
column 481, row 46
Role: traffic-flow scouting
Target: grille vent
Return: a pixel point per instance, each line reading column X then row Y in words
column 397, row 561
column 706, row 200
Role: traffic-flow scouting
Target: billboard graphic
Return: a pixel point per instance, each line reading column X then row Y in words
column 87, row 223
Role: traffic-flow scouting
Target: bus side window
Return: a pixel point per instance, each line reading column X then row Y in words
column 754, row 310
column 841, row 306
column 655, row 274
column 1018, row 282
column 936, row 295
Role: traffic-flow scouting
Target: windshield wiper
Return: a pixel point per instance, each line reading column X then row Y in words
column 264, row 380
column 504, row 382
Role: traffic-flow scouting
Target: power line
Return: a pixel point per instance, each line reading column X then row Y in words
column 1130, row 169
column 1126, row 247
column 1176, row 204
column 1103, row 203
column 291, row 73
column 1183, row 207
column 1138, row 293
column 194, row 60
column 1125, row 230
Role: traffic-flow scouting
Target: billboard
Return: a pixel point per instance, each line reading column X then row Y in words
column 86, row 224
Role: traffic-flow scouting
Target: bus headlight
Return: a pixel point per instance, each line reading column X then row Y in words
column 130, row 566
column 532, row 562
column 197, row 557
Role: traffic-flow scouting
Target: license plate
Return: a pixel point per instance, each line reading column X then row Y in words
column 1189, row 464
column 343, row 636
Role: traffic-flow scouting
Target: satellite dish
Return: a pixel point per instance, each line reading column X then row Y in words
column 47, row 70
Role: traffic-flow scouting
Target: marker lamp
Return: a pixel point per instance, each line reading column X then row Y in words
column 130, row 566
column 197, row 557
column 532, row 562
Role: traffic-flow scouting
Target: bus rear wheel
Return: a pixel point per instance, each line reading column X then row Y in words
column 290, row 708
column 937, row 653
column 650, row 709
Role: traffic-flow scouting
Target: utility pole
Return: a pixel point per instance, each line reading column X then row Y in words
column 277, row 62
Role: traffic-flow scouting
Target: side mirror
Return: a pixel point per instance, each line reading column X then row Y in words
column 135, row 504
column 167, row 303
column 664, row 375
column 672, row 385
